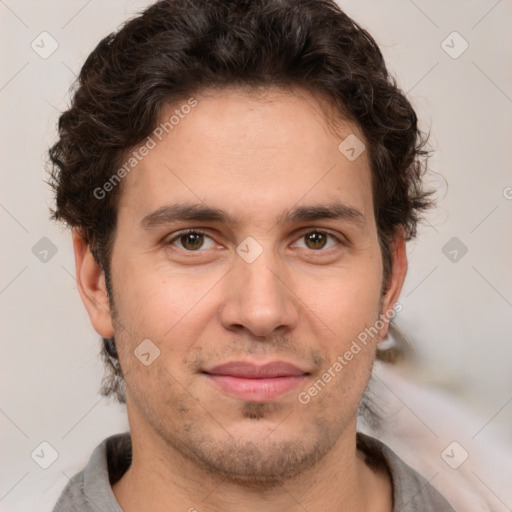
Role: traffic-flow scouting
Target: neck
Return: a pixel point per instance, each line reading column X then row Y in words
column 161, row 478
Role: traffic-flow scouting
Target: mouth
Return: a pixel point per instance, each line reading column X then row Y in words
column 256, row 383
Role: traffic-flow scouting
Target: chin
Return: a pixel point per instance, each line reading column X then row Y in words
column 259, row 460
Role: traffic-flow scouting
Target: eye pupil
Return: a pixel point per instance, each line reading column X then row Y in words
column 192, row 240
column 318, row 240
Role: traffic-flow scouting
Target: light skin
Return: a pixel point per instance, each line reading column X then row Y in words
column 303, row 300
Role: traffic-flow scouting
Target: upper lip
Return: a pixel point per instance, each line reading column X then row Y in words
column 253, row 371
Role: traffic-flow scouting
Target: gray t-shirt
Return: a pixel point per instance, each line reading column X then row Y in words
column 91, row 491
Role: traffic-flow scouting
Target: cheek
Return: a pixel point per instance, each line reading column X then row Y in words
column 162, row 396
column 172, row 315
column 348, row 301
column 154, row 304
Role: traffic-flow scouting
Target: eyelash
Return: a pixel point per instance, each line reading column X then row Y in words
column 301, row 235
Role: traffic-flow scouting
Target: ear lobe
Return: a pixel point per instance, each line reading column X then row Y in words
column 396, row 279
column 90, row 278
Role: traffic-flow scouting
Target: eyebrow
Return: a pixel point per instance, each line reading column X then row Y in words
column 202, row 213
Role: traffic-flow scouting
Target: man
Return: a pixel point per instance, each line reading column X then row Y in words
column 241, row 179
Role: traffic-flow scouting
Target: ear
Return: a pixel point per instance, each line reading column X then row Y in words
column 92, row 287
column 396, row 279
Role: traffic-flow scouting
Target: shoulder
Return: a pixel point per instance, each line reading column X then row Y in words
column 90, row 490
column 411, row 491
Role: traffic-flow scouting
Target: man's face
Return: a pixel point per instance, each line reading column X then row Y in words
column 254, row 288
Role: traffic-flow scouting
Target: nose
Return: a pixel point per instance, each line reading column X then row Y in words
column 258, row 298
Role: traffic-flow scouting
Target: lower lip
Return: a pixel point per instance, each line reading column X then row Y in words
column 257, row 390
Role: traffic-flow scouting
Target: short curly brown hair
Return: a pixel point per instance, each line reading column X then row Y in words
column 178, row 48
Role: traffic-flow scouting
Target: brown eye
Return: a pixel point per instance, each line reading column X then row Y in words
column 192, row 241
column 316, row 240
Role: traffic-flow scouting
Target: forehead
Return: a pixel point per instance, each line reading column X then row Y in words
column 249, row 152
